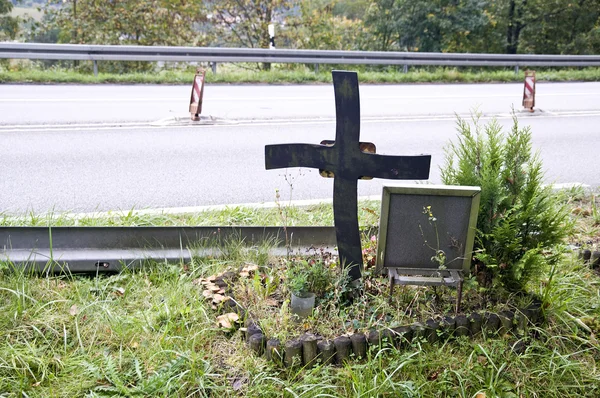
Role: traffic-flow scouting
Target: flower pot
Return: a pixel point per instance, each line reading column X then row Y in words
column 302, row 304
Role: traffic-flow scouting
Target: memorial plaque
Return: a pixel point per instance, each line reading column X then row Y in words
column 426, row 235
column 427, row 227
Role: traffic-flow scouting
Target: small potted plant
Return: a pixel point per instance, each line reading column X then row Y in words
column 305, row 280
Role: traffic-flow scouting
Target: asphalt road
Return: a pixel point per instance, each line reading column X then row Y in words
column 98, row 148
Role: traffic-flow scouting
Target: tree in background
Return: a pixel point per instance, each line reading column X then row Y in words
column 318, row 26
column 141, row 22
column 428, row 25
column 561, row 27
column 245, row 23
column 9, row 26
column 482, row 26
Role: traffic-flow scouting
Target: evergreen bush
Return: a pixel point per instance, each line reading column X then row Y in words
column 521, row 222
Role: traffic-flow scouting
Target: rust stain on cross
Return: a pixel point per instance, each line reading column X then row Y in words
column 344, row 159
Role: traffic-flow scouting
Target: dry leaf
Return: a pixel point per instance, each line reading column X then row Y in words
column 207, row 294
column 218, row 298
column 480, row 395
column 244, row 274
column 120, row 291
column 251, row 267
column 74, row 310
column 227, row 320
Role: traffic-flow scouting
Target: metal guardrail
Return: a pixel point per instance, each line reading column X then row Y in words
column 208, row 54
column 111, row 249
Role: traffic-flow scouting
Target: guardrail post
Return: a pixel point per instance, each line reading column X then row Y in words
column 317, row 69
column 213, row 66
column 405, row 69
column 95, row 68
column 516, row 69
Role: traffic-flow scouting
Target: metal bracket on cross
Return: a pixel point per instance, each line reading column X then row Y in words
column 347, row 159
column 197, row 94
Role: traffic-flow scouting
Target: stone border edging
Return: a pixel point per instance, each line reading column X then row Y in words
column 309, row 349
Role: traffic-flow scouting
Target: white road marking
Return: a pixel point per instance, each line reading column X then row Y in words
column 161, row 124
column 323, row 98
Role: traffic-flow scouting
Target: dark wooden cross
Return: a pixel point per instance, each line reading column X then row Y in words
column 345, row 159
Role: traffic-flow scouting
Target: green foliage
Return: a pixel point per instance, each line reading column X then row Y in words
column 483, row 26
column 9, row 25
column 318, row 27
column 145, row 22
column 554, row 27
column 423, row 25
column 520, row 221
column 245, row 23
column 312, row 275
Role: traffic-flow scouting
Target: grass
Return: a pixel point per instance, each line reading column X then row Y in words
column 321, row 215
column 26, row 72
column 151, row 333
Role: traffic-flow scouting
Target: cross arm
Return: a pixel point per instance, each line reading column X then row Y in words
column 395, row 167
column 297, row 155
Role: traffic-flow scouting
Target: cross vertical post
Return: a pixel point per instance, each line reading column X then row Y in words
column 345, row 159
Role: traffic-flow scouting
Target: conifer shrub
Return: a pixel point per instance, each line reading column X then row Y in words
column 521, row 222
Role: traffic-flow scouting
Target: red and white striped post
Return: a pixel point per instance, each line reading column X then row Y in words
column 529, row 90
column 197, row 94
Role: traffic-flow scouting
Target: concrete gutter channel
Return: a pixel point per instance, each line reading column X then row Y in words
column 111, row 249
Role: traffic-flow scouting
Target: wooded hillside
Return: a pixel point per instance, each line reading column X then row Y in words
column 486, row 26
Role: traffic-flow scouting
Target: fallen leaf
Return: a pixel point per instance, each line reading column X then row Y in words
column 120, row 291
column 251, row 267
column 226, row 320
column 207, row 294
column 74, row 310
column 480, row 395
column 218, row 298
column 244, row 274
